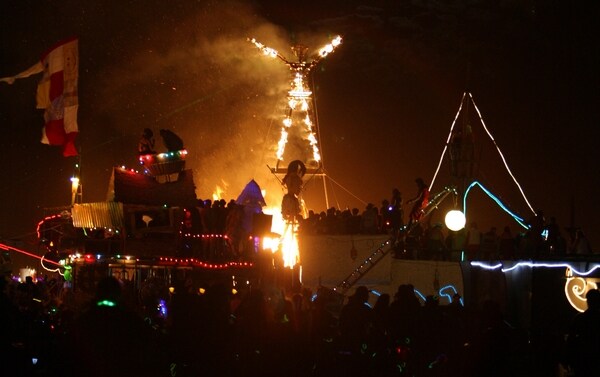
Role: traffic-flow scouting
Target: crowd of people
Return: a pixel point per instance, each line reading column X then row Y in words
column 269, row 332
column 428, row 240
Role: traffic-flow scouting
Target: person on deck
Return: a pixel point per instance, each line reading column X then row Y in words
column 419, row 202
column 171, row 141
column 146, row 144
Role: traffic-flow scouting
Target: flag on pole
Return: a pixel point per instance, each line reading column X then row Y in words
column 57, row 94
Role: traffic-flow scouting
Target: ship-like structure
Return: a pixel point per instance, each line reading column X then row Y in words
column 152, row 227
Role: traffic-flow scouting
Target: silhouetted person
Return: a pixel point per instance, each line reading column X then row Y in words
column 146, row 144
column 433, row 335
column 404, row 313
column 436, row 245
column 397, row 213
column 473, row 242
column 355, row 327
column 507, row 245
column 322, row 331
column 354, row 221
column 254, row 334
column 583, row 339
column 555, row 241
column 489, row 244
column 171, row 141
column 381, row 321
column 110, row 340
column 356, row 320
column 385, row 216
column 10, row 323
column 491, row 348
column 537, row 226
column 419, row 202
column 581, row 245
column 368, row 223
column 456, row 242
column 405, row 326
column 212, row 355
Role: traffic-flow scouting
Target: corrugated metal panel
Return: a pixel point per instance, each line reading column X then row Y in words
column 98, row 215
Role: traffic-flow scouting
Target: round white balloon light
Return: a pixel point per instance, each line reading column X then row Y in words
column 455, row 220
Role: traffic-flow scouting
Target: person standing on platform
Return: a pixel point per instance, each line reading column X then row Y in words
column 419, row 202
column 146, row 144
column 473, row 242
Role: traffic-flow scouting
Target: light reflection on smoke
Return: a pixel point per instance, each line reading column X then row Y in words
column 204, row 81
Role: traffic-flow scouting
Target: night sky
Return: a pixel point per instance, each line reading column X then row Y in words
column 386, row 98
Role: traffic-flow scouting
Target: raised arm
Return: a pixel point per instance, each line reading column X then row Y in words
column 268, row 50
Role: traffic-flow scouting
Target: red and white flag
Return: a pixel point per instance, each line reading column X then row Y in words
column 57, row 94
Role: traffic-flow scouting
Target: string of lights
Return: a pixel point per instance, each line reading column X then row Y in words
column 501, row 154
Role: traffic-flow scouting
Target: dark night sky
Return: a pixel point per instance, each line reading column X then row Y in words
column 385, row 99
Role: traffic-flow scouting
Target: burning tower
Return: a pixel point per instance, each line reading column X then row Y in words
column 299, row 122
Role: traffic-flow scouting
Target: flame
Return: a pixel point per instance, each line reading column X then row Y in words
column 304, row 105
column 218, row 193
column 298, row 90
column 288, row 240
column 268, row 51
column 299, row 94
column 281, row 144
column 328, row 48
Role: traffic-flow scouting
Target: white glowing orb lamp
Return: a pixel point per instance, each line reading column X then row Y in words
column 455, row 220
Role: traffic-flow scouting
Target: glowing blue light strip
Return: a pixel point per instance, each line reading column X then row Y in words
column 518, row 219
column 420, row 295
column 450, row 286
column 446, row 295
column 442, row 294
column 536, row 264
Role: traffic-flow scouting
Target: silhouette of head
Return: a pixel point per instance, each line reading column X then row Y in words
column 108, row 288
column 361, row 294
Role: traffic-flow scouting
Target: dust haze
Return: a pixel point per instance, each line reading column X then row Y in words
column 205, row 81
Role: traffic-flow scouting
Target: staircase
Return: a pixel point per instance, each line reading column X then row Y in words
column 388, row 245
column 365, row 266
column 431, row 205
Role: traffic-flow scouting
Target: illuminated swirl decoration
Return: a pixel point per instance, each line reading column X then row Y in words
column 576, row 288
